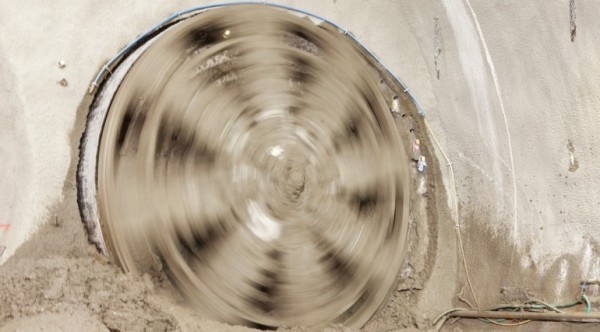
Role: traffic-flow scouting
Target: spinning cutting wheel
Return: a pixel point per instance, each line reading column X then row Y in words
column 251, row 155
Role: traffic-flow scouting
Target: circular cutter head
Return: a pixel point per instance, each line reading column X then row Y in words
column 251, row 155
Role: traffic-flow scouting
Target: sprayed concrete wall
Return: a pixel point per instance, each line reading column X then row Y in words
column 515, row 106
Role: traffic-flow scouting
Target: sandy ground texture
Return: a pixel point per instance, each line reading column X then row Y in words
column 514, row 106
